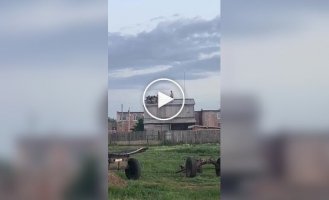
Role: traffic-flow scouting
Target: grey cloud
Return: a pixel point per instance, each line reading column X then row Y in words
column 59, row 44
column 260, row 18
column 177, row 43
column 77, row 41
column 157, row 18
column 191, row 69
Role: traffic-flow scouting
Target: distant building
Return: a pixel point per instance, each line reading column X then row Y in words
column 185, row 119
column 126, row 121
column 111, row 125
column 300, row 159
column 207, row 118
column 47, row 167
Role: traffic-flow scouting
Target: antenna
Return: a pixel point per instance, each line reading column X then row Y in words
column 121, row 118
column 184, row 82
column 128, row 119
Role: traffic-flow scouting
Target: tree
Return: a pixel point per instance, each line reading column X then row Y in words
column 139, row 125
column 87, row 184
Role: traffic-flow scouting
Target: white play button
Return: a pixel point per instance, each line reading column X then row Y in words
column 163, row 99
column 152, row 103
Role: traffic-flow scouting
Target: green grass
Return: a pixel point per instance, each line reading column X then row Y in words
column 159, row 180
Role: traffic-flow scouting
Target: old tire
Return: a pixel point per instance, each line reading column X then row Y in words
column 217, row 167
column 191, row 167
column 133, row 170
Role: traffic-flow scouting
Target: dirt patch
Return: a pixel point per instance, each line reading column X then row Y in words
column 115, row 181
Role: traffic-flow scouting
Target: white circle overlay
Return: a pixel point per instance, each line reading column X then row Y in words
column 158, row 80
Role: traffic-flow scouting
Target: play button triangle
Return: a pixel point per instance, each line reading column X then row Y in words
column 163, row 99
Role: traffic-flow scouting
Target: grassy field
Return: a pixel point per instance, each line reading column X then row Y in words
column 159, row 180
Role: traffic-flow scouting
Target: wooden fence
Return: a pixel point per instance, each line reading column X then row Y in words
column 168, row 137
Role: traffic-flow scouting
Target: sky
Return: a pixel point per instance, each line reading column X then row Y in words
column 276, row 51
column 54, row 55
column 53, row 69
column 163, row 39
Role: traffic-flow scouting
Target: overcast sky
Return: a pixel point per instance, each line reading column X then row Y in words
column 150, row 40
column 53, row 68
column 277, row 51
